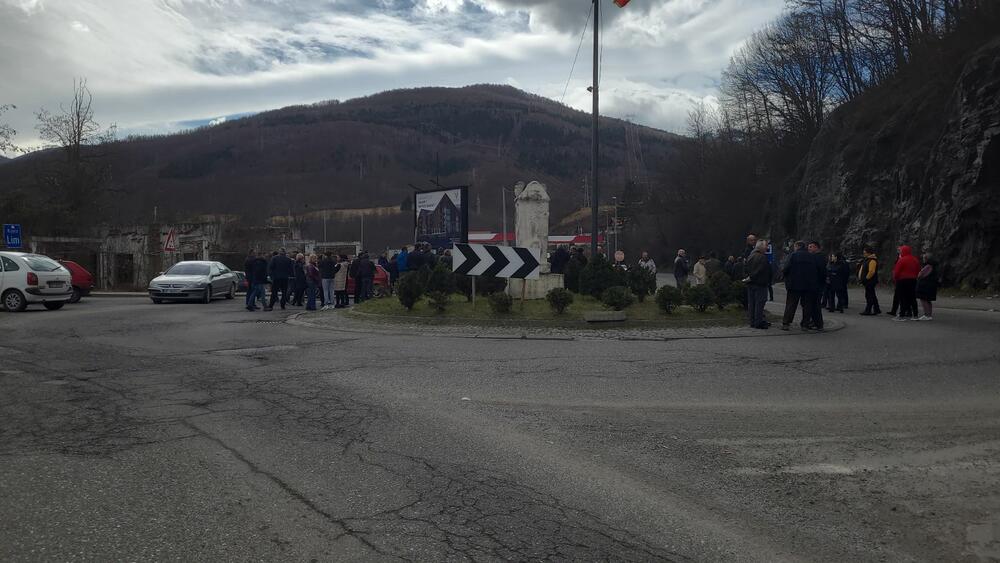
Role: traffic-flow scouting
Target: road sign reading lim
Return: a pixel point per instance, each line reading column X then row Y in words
column 12, row 236
column 495, row 261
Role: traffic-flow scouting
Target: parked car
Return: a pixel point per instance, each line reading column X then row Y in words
column 26, row 279
column 380, row 283
column 83, row 281
column 201, row 280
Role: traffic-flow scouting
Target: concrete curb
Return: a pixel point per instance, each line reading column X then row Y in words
column 733, row 332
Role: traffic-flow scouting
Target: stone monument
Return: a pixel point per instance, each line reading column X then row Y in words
column 531, row 230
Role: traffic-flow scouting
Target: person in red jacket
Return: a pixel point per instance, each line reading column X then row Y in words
column 905, row 273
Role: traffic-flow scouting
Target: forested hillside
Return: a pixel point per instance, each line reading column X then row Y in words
column 362, row 153
column 863, row 121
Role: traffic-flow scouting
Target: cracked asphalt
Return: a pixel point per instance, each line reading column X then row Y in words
column 130, row 431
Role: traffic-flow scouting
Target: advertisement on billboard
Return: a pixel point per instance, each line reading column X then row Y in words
column 441, row 217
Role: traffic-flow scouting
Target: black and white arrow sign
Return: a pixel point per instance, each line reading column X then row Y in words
column 495, row 261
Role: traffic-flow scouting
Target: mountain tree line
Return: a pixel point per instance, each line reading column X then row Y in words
column 780, row 86
column 777, row 92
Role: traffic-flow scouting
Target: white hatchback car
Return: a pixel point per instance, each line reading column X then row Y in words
column 33, row 278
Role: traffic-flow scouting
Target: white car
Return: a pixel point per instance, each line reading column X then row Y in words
column 201, row 280
column 32, row 278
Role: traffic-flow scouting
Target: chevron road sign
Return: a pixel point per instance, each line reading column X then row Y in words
column 495, row 261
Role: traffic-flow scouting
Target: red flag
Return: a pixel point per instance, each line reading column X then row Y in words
column 621, row 3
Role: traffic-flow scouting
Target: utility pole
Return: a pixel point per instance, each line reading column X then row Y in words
column 594, row 202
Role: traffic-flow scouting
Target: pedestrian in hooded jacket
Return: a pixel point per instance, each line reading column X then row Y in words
column 868, row 277
column 905, row 274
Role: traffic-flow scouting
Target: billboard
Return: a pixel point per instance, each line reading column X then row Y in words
column 441, row 217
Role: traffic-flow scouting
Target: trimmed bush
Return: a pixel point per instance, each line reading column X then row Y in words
column 441, row 279
column 699, row 297
column 571, row 275
column 669, row 298
column 599, row 275
column 738, row 291
column 409, row 289
column 721, row 287
column 501, row 303
column 642, row 282
column 618, row 297
column 439, row 300
column 559, row 299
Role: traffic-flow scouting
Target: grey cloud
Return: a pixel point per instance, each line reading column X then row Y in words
column 155, row 65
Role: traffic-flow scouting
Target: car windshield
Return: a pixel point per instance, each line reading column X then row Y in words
column 183, row 269
column 41, row 263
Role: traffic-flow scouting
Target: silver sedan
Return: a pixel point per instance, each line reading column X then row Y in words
column 200, row 280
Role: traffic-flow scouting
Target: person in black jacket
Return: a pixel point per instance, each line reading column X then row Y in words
column 837, row 272
column 559, row 259
column 298, row 280
column 801, row 285
column 281, row 268
column 257, row 277
column 327, row 270
column 248, row 272
column 757, row 280
column 815, row 320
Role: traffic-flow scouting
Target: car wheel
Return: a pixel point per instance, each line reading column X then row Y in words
column 208, row 295
column 75, row 298
column 232, row 292
column 13, row 301
column 156, row 301
column 53, row 306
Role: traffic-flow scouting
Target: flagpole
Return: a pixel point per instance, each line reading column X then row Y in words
column 594, row 203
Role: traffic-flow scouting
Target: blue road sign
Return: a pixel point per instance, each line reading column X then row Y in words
column 12, row 236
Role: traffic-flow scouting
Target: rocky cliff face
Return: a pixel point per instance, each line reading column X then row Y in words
column 915, row 161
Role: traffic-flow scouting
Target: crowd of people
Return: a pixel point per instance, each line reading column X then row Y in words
column 323, row 281
column 815, row 281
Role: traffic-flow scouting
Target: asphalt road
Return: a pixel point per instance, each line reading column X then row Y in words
column 130, row 431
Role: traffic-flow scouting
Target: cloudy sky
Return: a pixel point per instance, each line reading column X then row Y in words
column 163, row 65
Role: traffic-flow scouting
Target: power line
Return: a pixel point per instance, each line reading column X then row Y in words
column 575, row 57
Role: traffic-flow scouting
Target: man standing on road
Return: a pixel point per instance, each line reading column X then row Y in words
column 751, row 245
column 681, row 268
column 559, row 259
column 257, row 278
column 327, row 270
column 801, row 283
column 868, row 277
column 281, row 270
column 248, row 272
column 905, row 274
column 819, row 259
column 646, row 263
column 757, row 280
column 403, row 261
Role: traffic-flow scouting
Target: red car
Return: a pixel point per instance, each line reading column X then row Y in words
column 83, row 281
column 380, row 284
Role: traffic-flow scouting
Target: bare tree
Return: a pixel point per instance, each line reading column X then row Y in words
column 7, row 132
column 80, row 181
column 74, row 126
